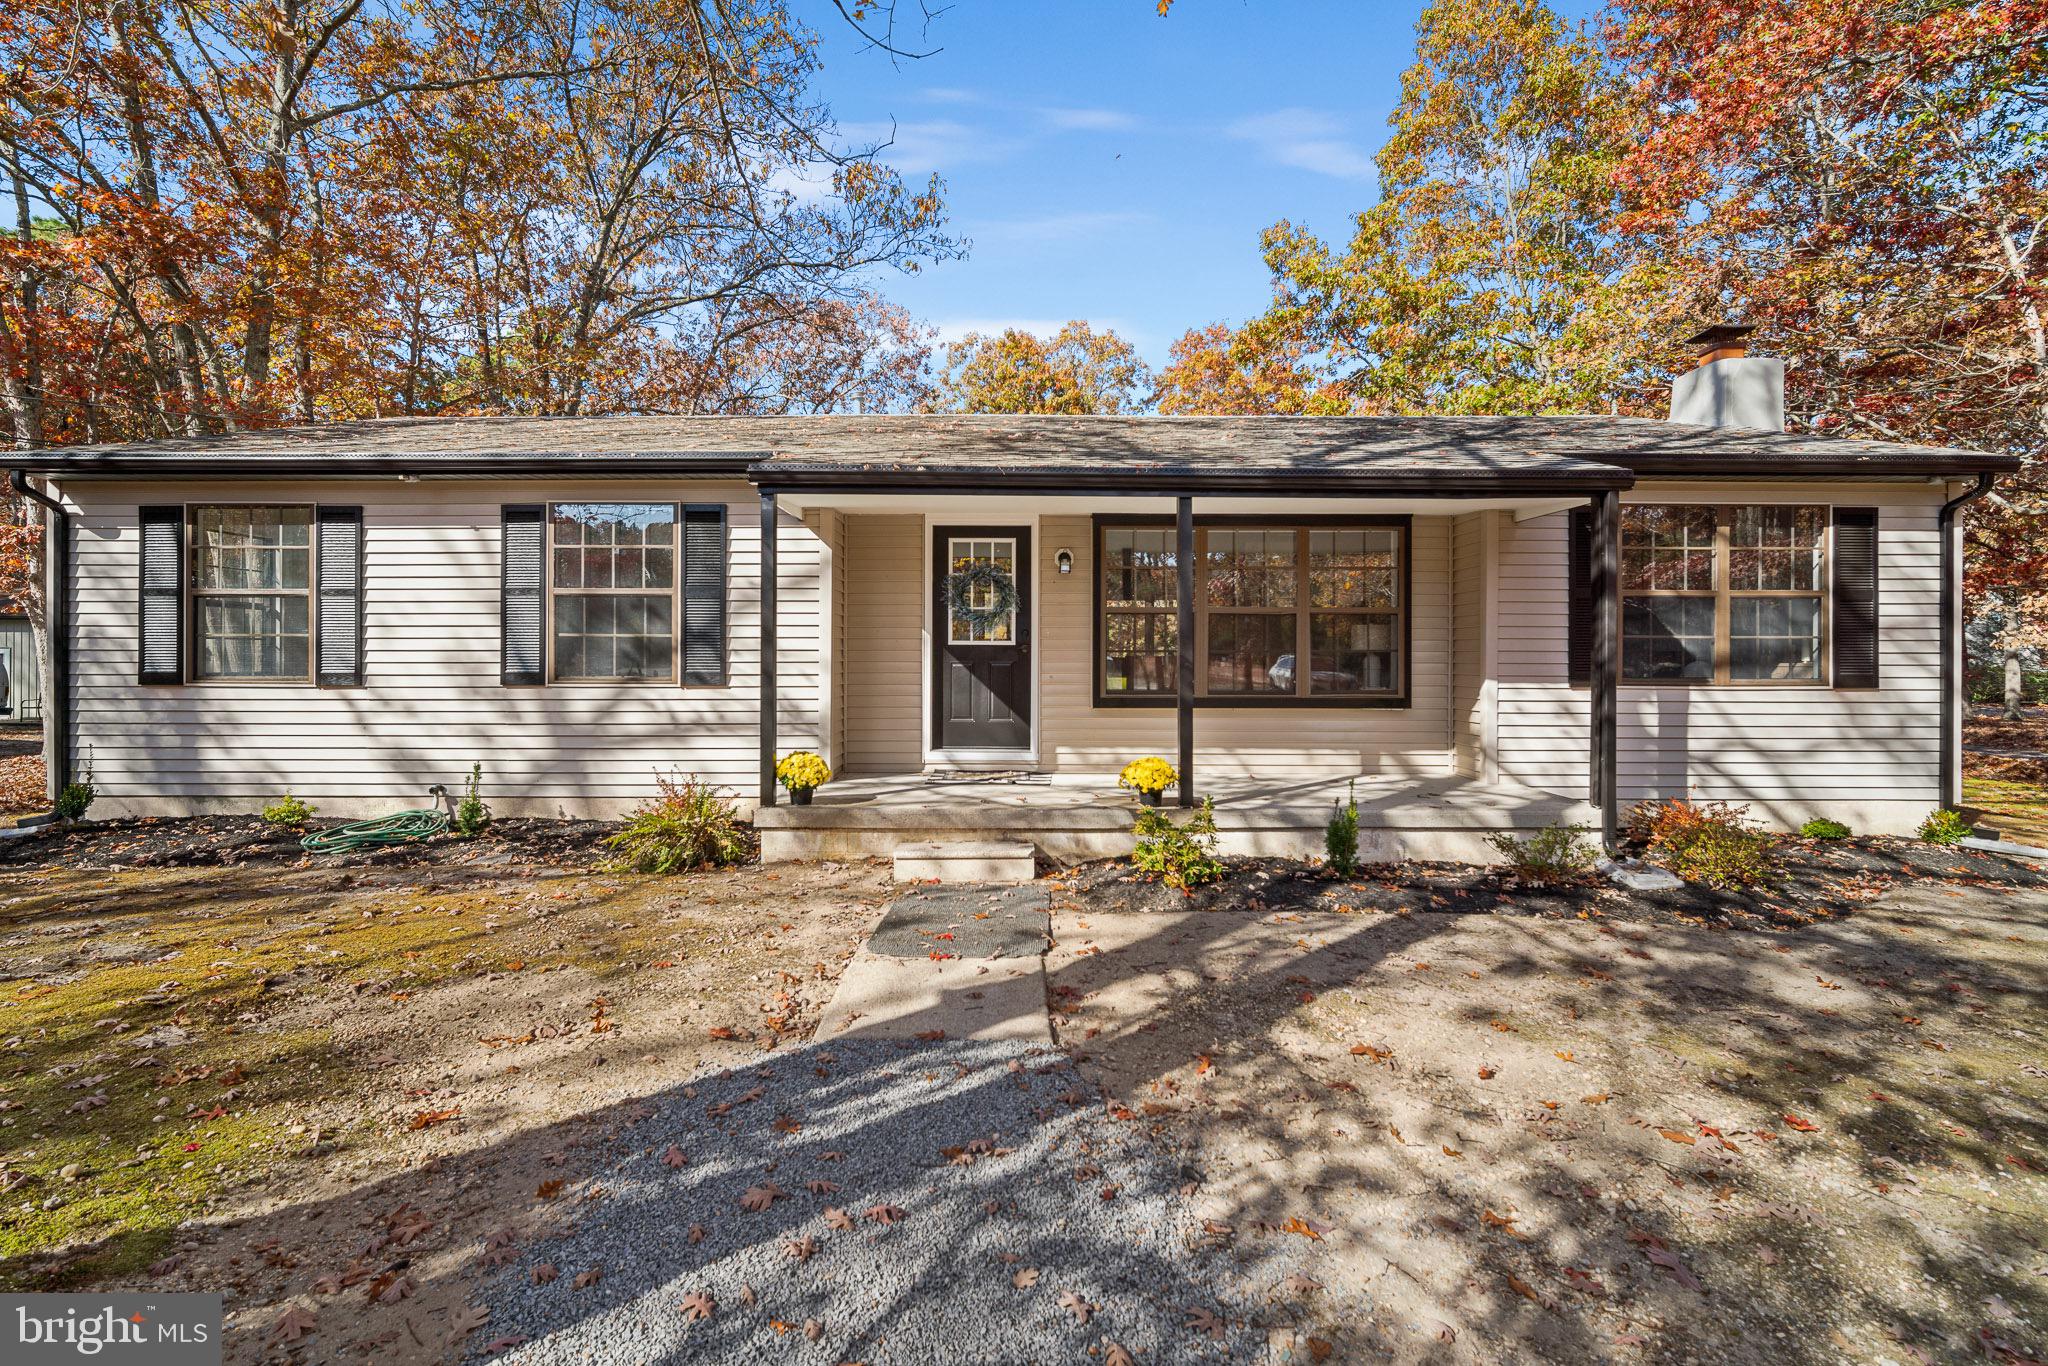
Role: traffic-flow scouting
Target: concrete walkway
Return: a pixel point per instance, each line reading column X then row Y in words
column 949, row 963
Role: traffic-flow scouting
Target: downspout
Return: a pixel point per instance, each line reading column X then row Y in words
column 1951, row 793
column 57, row 631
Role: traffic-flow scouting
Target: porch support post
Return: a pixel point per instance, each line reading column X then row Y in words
column 768, row 529
column 1184, row 599
column 1605, row 683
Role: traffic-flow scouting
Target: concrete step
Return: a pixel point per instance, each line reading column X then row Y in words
column 975, row 861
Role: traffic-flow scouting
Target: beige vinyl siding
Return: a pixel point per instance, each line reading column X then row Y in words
column 884, row 641
column 1786, row 748
column 432, row 703
column 1076, row 735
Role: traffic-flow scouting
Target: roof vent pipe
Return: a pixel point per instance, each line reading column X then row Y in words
column 1729, row 387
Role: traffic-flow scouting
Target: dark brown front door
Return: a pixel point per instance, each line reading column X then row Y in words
column 981, row 665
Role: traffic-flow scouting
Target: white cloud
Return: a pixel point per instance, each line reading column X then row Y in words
column 807, row 184
column 949, row 94
column 1088, row 120
column 1305, row 139
column 920, row 147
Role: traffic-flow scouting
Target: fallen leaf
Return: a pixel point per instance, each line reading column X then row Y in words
column 1677, row 1137
column 697, row 1306
column 1025, row 1278
column 1679, row 1271
column 1801, row 1125
column 293, row 1325
column 467, row 1320
column 883, row 1214
column 758, row 1198
column 674, row 1157
column 585, row 1279
column 1203, row 1320
column 544, row 1273
column 1075, row 1305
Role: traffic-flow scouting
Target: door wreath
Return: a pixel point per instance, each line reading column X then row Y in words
column 980, row 580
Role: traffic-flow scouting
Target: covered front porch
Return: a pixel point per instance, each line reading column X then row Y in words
column 1069, row 818
column 1368, row 595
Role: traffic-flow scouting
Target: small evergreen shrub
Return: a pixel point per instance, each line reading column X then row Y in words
column 1181, row 856
column 1553, row 855
column 1340, row 837
column 688, row 825
column 1707, row 842
column 1821, row 828
column 472, row 813
column 289, row 811
column 1945, row 827
column 77, row 796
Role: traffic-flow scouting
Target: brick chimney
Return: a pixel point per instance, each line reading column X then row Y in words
column 1729, row 387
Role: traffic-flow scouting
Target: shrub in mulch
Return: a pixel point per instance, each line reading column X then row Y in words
column 1818, row 880
column 231, row 841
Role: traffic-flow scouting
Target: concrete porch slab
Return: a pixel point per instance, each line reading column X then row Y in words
column 1072, row 818
column 972, row 861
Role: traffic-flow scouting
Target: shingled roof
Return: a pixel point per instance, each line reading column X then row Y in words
column 999, row 450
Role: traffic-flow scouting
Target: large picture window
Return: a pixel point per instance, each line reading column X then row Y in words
column 1723, row 594
column 252, row 592
column 1285, row 613
column 611, row 584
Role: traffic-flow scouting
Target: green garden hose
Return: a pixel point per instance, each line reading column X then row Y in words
column 403, row 828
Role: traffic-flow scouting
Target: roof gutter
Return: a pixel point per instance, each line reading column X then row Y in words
column 1951, row 631
column 56, row 632
column 172, row 464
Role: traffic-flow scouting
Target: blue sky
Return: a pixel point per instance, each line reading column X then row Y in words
column 1112, row 165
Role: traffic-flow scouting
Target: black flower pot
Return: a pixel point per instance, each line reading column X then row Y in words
column 801, row 796
column 1148, row 797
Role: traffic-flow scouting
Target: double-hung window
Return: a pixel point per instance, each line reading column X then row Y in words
column 1285, row 613
column 252, row 592
column 612, row 589
column 1727, row 594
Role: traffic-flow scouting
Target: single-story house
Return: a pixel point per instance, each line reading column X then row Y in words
column 1477, row 622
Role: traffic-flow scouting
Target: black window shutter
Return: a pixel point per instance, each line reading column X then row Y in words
column 338, row 541
column 522, row 605
column 1579, row 599
column 160, row 609
column 704, row 578
column 1855, row 598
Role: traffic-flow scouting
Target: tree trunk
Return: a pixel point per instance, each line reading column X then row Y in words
column 2015, row 687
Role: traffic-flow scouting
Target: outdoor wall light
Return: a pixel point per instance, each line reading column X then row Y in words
column 1065, row 560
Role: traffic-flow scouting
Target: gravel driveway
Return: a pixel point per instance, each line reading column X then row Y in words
column 995, row 1202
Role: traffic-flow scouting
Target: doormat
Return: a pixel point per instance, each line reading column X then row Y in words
column 1001, row 775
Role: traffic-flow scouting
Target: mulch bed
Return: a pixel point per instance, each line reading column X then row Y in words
column 1823, row 879
column 226, row 841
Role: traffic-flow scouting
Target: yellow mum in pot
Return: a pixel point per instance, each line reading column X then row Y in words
column 800, row 772
column 1148, row 777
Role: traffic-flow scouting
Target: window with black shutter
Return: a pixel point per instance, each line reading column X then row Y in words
column 1855, row 598
column 704, row 592
column 521, row 595
column 1579, row 599
column 160, row 610
column 338, row 569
